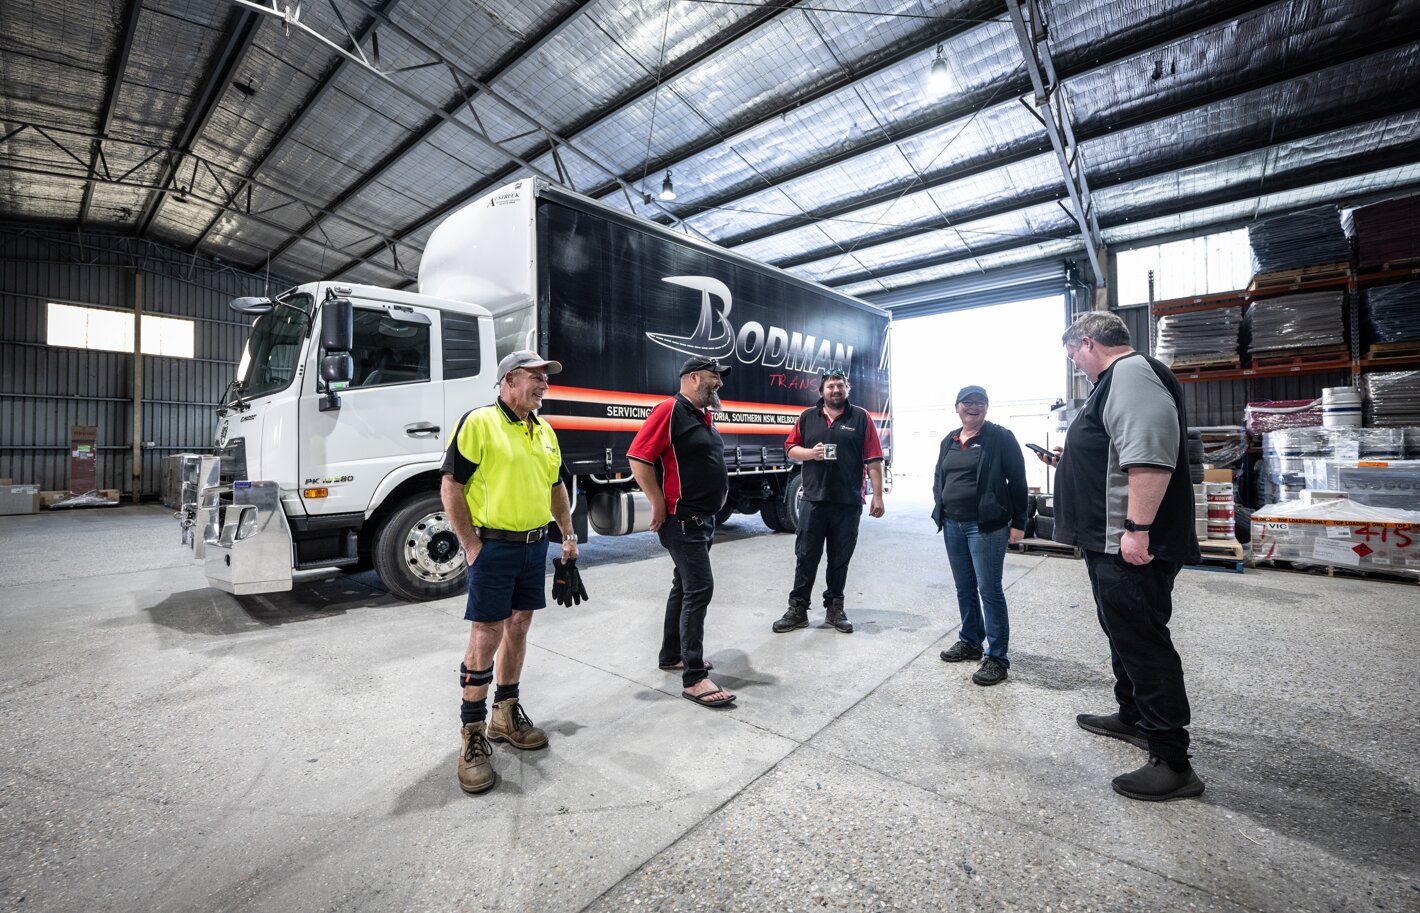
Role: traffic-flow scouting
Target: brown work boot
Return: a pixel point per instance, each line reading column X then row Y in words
column 510, row 724
column 476, row 774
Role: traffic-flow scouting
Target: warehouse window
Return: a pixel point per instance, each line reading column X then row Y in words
column 1196, row 266
column 112, row 331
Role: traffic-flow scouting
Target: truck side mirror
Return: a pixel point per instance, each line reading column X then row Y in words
column 337, row 325
column 336, row 369
column 337, row 335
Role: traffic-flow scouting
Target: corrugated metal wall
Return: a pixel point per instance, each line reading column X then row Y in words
column 46, row 389
column 1221, row 402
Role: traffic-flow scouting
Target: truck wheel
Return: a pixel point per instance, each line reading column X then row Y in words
column 417, row 554
column 788, row 506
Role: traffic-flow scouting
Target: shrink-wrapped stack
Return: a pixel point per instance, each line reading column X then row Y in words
column 1393, row 313
column 1303, row 321
column 1312, row 237
column 1199, row 338
column 1392, row 398
column 1338, row 533
column 1386, row 232
column 1273, row 415
column 1286, row 454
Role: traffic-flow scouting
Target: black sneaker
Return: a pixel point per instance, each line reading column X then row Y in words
column 961, row 652
column 992, row 672
column 1156, row 781
column 1110, row 725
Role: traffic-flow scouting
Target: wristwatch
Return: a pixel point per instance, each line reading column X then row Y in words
column 1131, row 526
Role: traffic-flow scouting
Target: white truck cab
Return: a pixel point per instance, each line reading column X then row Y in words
column 342, row 403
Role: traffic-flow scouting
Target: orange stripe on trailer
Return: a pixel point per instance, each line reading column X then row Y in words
column 591, row 423
column 622, row 398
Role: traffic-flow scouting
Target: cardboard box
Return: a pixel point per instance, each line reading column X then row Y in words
column 19, row 499
column 1218, row 475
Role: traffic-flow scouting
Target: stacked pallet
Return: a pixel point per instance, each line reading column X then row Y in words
column 1392, row 398
column 1300, row 328
column 1393, row 321
column 1200, row 339
column 1310, row 240
column 1387, row 234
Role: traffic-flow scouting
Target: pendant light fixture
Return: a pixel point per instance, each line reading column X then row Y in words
column 667, row 188
column 939, row 80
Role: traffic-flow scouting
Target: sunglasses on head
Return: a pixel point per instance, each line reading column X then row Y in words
column 836, row 372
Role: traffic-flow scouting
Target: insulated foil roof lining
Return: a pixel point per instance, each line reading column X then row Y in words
column 802, row 134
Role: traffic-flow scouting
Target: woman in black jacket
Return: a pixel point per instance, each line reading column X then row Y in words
column 979, row 493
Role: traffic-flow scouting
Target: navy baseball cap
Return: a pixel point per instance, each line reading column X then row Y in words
column 701, row 363
column 973, row 390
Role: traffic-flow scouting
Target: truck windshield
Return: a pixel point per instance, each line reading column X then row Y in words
column 273, row 352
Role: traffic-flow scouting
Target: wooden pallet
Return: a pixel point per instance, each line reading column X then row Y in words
column 1204, row 368
column 1047, row 547
column 1324, row 355
column 1331, row 570
column 1218, row 563
column 1288, row 278
column 1222, row 548
column 1397, row 350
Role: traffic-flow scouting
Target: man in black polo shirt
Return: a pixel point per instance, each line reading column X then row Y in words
column 834, row 440
column 678, row 460
column 1123, row 495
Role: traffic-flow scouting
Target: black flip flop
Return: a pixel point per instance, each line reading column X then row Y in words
column 680, row 667
column 722, row 702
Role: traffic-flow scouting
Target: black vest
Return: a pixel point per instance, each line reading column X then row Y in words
column 839, row 481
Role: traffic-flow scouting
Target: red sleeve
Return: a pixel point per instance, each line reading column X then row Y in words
column 795, row 439
column 872, row 446
column 654, row 436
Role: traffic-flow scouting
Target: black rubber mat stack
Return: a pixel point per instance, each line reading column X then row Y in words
column 1203, row 337
column 1392, row 399
column 1312, row 237
column 1393, row 313
column 1306, row 320
column 1386, row 232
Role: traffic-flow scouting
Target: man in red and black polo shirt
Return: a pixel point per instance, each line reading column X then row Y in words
column 834, row 440
column 678, row 460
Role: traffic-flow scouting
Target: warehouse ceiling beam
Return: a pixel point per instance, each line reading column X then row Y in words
column 115, row 85
column 465, row 85
column 1051, row 108
column 292, row 125
column 71, row 143
column 651, row 84
column 1348, row 117
column 888, row 136
column 1400, row 155
column 209, row 98
column 426, row 130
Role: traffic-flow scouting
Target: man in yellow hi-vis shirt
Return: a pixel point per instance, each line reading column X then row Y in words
column 501, row 489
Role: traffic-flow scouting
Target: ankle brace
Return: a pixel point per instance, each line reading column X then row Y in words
column 472, row 678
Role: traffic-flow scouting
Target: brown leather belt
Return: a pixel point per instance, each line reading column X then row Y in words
column 527, row 537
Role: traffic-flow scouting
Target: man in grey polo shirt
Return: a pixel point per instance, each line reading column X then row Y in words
column 1123, row 495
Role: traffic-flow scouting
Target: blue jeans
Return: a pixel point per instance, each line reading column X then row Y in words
column 977, row 561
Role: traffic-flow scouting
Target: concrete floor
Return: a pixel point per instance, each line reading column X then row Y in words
column 166, row 747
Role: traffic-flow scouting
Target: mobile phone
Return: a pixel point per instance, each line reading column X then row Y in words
column 1048, row 454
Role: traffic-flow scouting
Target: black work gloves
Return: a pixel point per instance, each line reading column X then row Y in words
column 567, row 586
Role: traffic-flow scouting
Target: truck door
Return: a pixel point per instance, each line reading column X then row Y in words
column 390, row 417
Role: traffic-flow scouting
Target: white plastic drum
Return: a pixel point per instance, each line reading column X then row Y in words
column 1341, row 407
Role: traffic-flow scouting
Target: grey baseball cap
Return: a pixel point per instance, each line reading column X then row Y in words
column 973, row 390
column 526, row 358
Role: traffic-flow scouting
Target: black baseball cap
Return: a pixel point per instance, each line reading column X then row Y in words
column 973, row 390
column 701, row 363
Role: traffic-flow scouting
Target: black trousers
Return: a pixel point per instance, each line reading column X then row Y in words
column 692, row 584
column 820, row 522
column 1134, row 603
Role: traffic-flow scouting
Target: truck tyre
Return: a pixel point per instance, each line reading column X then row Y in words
column 788, row 505
column 769, row 513
column 417, row 554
